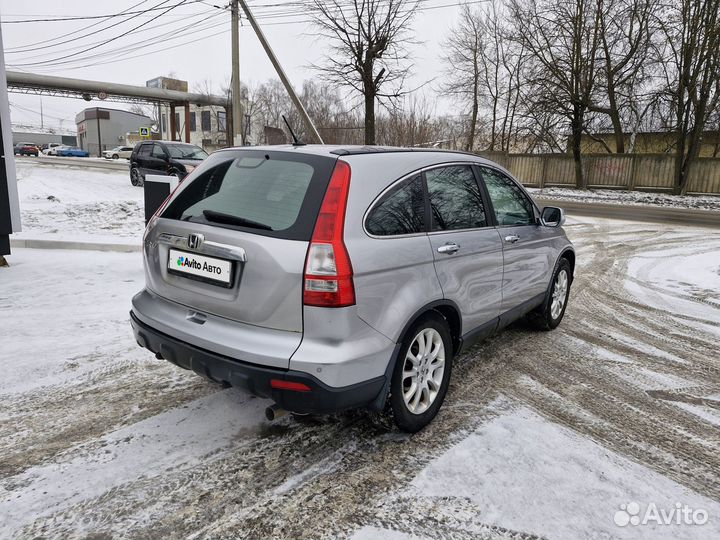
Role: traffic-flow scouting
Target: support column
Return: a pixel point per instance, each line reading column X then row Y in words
column 187, row 121
column 173, row 124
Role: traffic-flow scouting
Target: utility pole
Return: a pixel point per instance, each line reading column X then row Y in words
column 286, row 82
column 236, row 97
column 42, row 118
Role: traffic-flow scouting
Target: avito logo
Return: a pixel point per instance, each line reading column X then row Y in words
column 187, row 261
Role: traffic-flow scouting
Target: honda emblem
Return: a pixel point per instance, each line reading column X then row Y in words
column 195, row 240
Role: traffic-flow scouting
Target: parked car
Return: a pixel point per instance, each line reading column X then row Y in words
column 26, row 149
column 71, row 151
column 327, row 277
column 53, row 150
column 118, row 152
column 164, row 158
column 50, row 149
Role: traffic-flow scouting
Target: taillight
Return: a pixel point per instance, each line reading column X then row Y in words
column 328, row 280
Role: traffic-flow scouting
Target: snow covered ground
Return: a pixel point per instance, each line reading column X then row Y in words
column 617, row 196
column 74, row 202
column 575, row 433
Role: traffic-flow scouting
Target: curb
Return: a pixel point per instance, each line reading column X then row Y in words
column 37, row 243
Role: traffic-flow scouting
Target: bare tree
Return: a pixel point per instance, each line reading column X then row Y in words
column 562, row 37
column 625, row 49
column 463, row 66
column 692, row 71
column 368, row 51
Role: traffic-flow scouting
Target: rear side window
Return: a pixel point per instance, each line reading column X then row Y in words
column 455, row 199
column 401, row 211
column 271, row 193
column 144, row 150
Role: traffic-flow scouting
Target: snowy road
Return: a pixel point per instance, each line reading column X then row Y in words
column 542, row 434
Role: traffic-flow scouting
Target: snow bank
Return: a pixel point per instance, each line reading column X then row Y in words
column 611, row 196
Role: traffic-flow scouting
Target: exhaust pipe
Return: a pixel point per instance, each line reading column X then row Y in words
column 274, row 412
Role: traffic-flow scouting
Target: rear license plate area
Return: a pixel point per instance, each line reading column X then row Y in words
column 201, row 267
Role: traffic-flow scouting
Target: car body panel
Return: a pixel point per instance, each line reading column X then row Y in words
column 472, row 276
column 245, row 342
column 267, row 288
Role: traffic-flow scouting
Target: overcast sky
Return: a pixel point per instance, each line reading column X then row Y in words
column 201, row 51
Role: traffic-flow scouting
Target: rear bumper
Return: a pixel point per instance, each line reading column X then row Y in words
column 256, row 379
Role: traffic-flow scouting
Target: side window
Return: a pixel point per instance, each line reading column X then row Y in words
column 401, row 211
column 144, row 150
column 158, row 152
column 511, row 205
column 455, row 199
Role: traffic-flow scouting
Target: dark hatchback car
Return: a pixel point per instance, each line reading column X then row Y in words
column 164, row 158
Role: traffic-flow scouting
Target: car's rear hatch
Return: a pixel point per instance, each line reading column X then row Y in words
column 233, row 239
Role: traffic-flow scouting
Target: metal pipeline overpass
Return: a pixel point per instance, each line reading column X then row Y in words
column 30, row 83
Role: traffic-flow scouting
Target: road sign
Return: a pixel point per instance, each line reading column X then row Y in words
column 145, row 132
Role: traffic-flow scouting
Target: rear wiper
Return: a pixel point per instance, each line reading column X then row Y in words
column 219, row 217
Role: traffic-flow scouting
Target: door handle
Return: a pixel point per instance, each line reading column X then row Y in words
column 449, row 248
column 512, row 238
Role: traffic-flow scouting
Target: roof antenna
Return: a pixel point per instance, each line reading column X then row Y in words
column 296, row 141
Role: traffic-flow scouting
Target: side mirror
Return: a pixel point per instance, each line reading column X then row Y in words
column 552, row 216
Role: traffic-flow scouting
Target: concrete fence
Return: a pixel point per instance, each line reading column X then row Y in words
column 651, row 172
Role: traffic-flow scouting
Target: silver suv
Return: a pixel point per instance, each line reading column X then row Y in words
column 327, row 277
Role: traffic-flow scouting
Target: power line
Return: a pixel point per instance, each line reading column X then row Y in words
column 193, row 17
column 90, row 17
column 8, row 49
column 112, row 38
column 291, row 13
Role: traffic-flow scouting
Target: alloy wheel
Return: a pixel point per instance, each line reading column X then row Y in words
column 559, row 295
column 423, row 370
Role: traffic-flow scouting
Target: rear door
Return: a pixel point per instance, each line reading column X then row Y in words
column 157, row 161
column 248, row 216
column 465, row 245
column 527, row 253
column 142, row 156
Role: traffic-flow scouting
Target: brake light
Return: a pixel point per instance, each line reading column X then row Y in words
column 279, row 384
column 328, row 280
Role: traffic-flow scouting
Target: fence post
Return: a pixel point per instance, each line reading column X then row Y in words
column 633, row 172
column 544, row 171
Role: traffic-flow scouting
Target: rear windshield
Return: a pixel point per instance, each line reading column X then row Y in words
column 271, row 193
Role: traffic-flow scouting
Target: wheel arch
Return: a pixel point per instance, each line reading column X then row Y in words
column 569, row 255
column 449, row 311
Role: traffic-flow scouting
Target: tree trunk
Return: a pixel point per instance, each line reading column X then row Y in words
column 473, row 123
column 369, row 117
column 617, row 128
column 576, row 126
column 679, row 162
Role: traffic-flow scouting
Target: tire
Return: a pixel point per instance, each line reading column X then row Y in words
column 551, row 312
column 115, row 156
column 413, row 411
column 135, row 177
